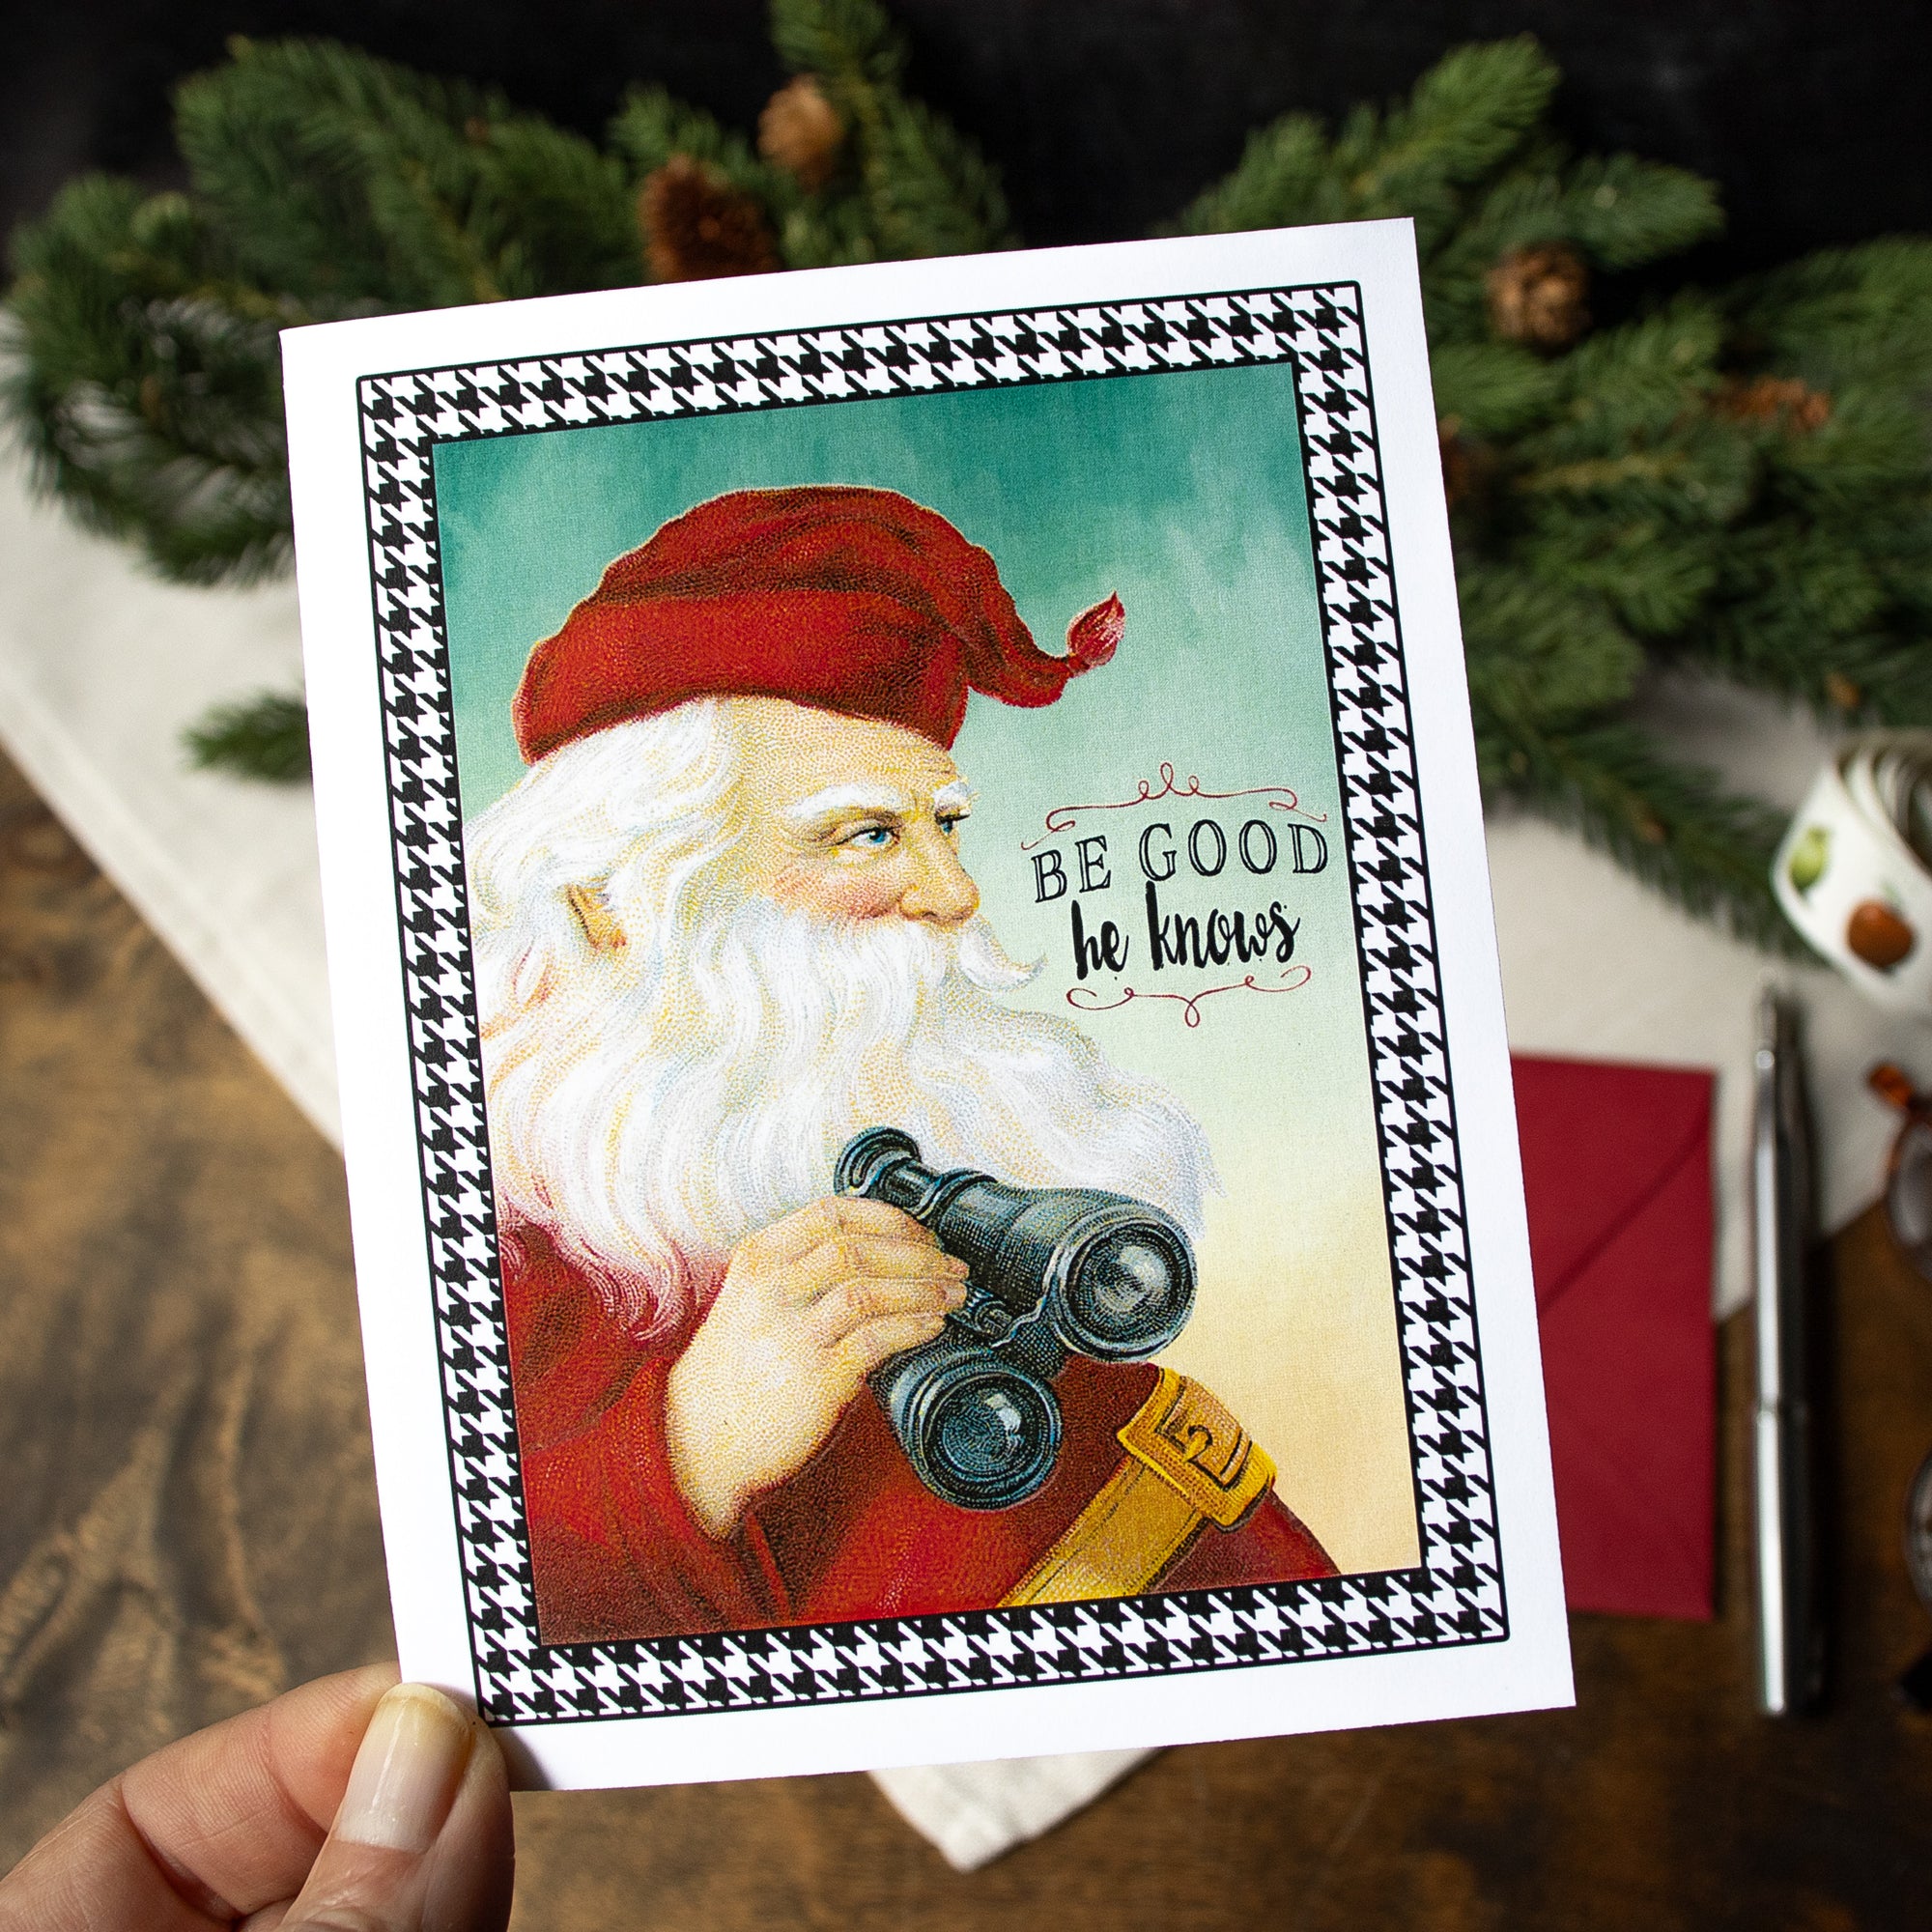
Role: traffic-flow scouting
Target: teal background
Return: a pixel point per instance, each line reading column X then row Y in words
column 1183, row 493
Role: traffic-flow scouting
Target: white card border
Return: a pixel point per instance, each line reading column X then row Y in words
column 1526, row 1669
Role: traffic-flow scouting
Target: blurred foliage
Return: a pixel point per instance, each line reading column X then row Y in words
column 1736, row 481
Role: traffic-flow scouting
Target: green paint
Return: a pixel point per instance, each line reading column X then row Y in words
column 1183, row 493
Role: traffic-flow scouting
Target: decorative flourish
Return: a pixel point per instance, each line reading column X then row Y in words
column 1064, row 817
column 1294, row 978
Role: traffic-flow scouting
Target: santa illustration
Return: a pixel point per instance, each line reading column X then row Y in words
column 721, row 925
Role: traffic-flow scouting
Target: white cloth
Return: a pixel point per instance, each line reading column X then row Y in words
column 101, row 669
column 973, row 1812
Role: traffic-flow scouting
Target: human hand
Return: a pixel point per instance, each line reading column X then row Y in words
column 226, row 1829
column 808, row 1308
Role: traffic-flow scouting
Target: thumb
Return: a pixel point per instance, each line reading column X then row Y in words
column 421, row 1841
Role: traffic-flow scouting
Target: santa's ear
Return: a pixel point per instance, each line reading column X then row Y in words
column 600, row 924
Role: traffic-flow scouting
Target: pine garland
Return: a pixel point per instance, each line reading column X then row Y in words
column 1736, row 482
column 260, row 737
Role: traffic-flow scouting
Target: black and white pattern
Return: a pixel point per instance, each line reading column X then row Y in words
column 1454, row 1595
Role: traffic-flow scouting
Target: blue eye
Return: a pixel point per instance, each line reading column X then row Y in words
column 873, row 839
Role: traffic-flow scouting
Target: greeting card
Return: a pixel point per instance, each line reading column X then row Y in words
column 925, row 1096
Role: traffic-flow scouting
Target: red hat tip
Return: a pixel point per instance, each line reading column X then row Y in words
column 1095, row 636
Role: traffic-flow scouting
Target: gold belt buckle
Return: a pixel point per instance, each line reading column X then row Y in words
column 1194, row 1445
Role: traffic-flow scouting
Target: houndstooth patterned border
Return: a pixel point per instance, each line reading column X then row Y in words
column 1454, row 1595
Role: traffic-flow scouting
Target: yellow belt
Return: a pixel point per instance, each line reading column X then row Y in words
column 1188, row 1463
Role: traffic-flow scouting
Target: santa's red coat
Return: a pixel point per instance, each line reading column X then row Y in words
column 854, row 1534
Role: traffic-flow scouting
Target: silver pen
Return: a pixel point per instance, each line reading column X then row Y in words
column 1790, row 1649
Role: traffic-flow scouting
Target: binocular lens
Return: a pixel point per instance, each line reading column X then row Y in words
column 981, row 1433
column 992, row 1439
column 1129, row 1292
column 1054, row 1269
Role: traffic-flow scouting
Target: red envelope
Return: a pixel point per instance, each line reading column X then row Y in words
column 1616, row 1166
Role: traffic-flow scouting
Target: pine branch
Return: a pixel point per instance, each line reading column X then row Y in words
column 1286, row 178
column 1673, row 826
column 1846, row 315
column 342, row 179
column 924, row 187
column 355, row 185
column 828, row 232
column 1654, row 576
column 1803, row 613
column 262, row 737
column 1618, row 212
column 145, row 382
column 651, row 127
column 1492, row 388
column 1613, row 214
column 851, row 40
column 560, row 215
column 1540, row 649
column 1634, row 383
column 930, row 190
column 1623, row 212
column 1464, row 118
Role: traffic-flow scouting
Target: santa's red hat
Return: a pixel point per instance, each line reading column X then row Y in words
column 853, row 600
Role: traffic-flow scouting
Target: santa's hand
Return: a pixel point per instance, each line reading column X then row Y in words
column 808, row 1308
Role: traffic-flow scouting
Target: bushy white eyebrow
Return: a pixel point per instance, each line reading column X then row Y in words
column 850, row 798
column 957, row 799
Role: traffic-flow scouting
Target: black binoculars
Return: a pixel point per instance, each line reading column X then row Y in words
column 1055, row 1271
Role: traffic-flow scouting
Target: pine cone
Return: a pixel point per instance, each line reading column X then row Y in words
column 1536, row 295
column 1777, row 399
column 801, row 132
column 1468, row 465
column 1458, row 468
column 697, row 225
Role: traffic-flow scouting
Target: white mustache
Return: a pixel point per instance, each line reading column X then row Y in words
column 653, row 1120
column 652, row 1104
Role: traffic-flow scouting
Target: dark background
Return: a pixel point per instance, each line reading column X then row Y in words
column 1106, row 116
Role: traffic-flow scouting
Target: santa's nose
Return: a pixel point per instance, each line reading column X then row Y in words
column 939, row 888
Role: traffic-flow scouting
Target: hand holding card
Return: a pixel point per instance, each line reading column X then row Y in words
column 688, row 664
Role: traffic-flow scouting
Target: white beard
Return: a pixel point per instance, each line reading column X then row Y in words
column 652, row 1105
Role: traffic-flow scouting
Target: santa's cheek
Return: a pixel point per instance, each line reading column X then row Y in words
column 860, row 893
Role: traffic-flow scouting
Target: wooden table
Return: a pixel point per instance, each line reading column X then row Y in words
column 189, row 1523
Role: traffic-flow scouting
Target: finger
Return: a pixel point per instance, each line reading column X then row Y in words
column 843, row 1259
column 474, row 1866
column 798, row 1234
column 865, row 1298
column 422, row 1836
column 208, row 1830
column 871, row 1343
